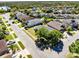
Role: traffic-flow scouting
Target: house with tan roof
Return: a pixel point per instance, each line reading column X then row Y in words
column 3, row 47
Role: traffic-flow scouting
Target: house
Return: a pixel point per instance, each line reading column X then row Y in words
column 71, row 22
column 21, row 17
column 3, row 47
column 34, row 8
column 36, row 28
column 58, row 25
column 74, row 24
column 34, row 22
column 55, row 25
column 5, row 8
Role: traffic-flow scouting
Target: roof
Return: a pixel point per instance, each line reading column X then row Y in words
column 7, row 56
column 2, row 44
column 34, row 22
column 54, row 24
column 22, row 16
column 42, row 26
column 5, row 8
column 3, row 47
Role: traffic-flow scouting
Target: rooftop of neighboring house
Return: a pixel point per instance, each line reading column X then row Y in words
column 55, row 24
column 22, row 16
column 5, row 8
column 42, row 26
column 3, row 47
column 34, row 21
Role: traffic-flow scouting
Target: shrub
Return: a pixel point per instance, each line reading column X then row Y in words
column 29, row 56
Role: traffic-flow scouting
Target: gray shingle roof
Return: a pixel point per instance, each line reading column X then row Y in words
column 34, row 22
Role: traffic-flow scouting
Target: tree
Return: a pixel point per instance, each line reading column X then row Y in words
column 47, row 19
column 54, row 37
column 1, row 11
column 12, row 15
column 4, row 28
column 48, row 37
column 42, row 32
column 69, row 29
column 2, row 35
column 74, row 47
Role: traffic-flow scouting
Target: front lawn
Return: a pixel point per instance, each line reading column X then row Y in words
column 14, row 47
column 10, row 29
column 31, row 31
column 8, row 37
column 69, row 55
column 31, row 34
column 14, row 35
column 6, row 21
column 29, row 56
column 8, row 24
column 16, row 21
column 20, row 25
column 21, row 45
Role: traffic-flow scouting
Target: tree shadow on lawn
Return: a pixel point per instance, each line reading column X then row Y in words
column 42, row 45
column 58, row 47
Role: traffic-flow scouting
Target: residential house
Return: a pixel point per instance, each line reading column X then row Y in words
column 5, row 8
column 21, row 17
column 34, row 22
column 36, row 28
column 55, row 25
column 3, row 47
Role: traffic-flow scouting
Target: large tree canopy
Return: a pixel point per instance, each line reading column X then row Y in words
column 54, row 36
column 43, row 32
column 74, row 47
column 2, row 34
column 50, row 37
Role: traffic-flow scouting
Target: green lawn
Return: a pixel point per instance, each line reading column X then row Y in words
column 10, row 29
column 8, row 37
column 8, row 24
column 29, row 56
column 31, row 35
column 14, row 47
column 31, row 31
column 20, row 25
column 16, row 21
column 21, row 45
column 70, row 55
column 6, row 21
column 14, row 35
column 2, row 25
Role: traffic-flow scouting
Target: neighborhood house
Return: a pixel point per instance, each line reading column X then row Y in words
column 3, row 47
column 33, row 22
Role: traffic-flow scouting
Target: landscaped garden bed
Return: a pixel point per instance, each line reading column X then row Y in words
column 8, row 37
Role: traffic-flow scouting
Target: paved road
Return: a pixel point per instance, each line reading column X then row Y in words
column 31, row 47
column 68, row 42
column 26, row 40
